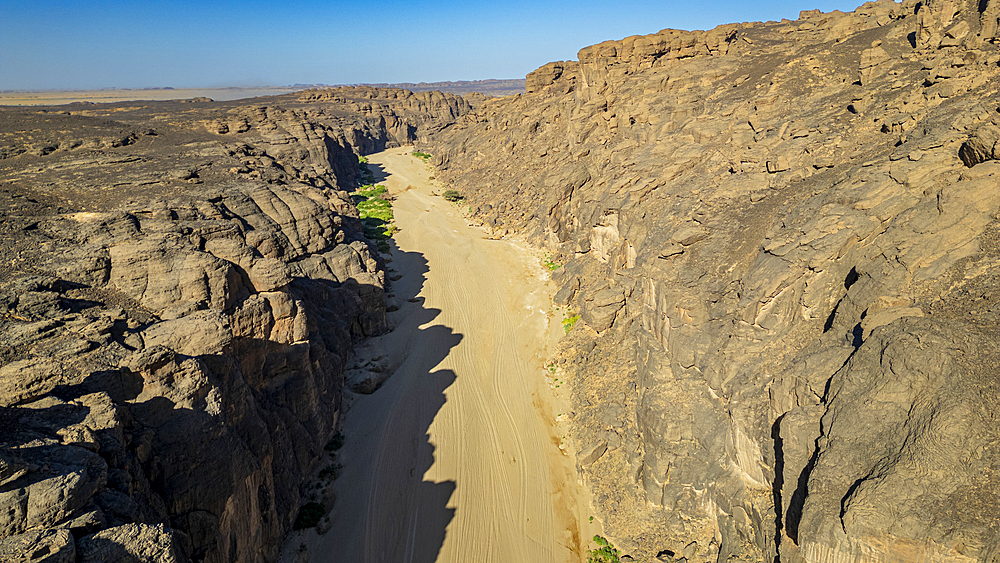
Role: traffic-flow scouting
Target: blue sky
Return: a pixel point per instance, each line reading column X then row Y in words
column 140, row 44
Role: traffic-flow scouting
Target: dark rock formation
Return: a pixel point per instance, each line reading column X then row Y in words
column 469, row 89
column 180, row 287
column 782, row 239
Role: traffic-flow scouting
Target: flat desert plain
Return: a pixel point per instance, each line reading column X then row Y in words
column 108, row 96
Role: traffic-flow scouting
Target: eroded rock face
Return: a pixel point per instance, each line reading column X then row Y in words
column 781, row 239
column 178, row 297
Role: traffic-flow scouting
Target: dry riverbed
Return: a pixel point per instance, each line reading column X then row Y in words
column 457, row 456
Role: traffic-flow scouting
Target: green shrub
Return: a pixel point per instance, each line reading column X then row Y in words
column 330, row 472
column 569, row 321
column 549, row 264
column 366, row 174
column 452, row 195
column 309, row 515
column 422, row 155
column 605, row 552
column 368, row 191
column 376, row 214
column 376, row 207
column 335, row 443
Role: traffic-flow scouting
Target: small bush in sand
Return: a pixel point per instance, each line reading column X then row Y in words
column 309, row 515
column 569, row 321
column 605, row 552
column 375, row 211
column 330, row 472
column 365, row 173
column 452, row 195
column 422, row 155
column 335, row 443
column 549, row 264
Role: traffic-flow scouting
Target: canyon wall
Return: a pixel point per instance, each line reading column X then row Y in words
column 180, row 287
column 782, row 241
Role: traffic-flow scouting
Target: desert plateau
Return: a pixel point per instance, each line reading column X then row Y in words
column 723, row 296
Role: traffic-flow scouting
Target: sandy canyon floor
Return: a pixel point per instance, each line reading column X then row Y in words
column 457, row 456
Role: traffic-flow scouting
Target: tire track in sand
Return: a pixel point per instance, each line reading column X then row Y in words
column 450, row 461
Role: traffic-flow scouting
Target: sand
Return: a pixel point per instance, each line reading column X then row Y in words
column 456, row 458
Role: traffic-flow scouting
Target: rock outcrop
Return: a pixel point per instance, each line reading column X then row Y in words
column 782, row 240
column 468, row 89
column 179, row 292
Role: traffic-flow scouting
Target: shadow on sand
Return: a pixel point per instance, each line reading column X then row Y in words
column 378, row 174
column 398, row 515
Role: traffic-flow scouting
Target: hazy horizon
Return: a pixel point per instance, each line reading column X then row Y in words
column 65, row 46
column 294, row 86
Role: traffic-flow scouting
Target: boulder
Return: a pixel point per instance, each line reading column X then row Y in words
column 39, row 546
column 132, row 543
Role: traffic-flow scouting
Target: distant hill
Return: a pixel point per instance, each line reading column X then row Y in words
column 491, row 87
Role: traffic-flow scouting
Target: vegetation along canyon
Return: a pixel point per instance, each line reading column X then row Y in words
column 694, row 296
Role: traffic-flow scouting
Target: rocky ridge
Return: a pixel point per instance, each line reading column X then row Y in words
column 464, row 88
column 782, row 240
column 180, row 288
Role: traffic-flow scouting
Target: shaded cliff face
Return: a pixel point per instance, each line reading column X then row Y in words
column 180, row 286
column 782, row 241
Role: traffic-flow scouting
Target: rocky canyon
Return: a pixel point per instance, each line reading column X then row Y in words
column 180, row 287
column 781, row 239
column 774, row 248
